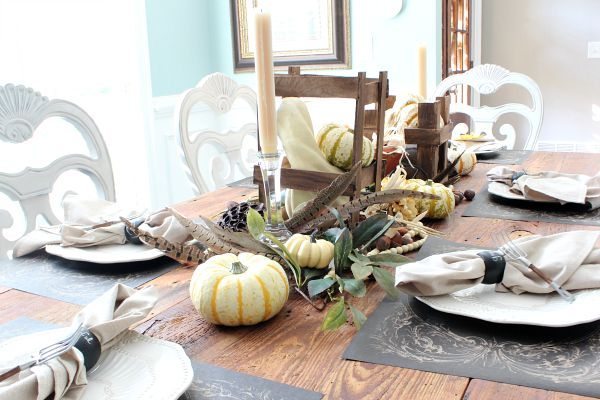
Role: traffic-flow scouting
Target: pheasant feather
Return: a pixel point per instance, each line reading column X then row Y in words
column 387, row 196
column 323, row 198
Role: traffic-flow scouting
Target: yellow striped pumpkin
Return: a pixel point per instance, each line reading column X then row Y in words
column 336, row 142
column 236, row 290
column 435, row 208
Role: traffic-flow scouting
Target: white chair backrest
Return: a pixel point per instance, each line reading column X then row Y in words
column 219, row 93
column 22, row 110
column 487, row 79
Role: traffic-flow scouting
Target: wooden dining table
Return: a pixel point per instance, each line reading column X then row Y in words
column 291, row 347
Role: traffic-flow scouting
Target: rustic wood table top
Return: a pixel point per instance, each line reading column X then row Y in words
column 291, row 348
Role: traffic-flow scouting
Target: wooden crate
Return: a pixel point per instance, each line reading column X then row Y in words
column 431, row 140
column 365, row 91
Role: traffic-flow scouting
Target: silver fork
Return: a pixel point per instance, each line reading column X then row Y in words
column 513, row 252
column 46, row 353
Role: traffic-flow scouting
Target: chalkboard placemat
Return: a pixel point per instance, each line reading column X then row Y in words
column 212, row 382
column 409, row 334
column 247, row 182
column 486, row 205
column 504, row 157
column 76, row 282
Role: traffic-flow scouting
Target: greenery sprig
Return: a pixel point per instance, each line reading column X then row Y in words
column 348, row 271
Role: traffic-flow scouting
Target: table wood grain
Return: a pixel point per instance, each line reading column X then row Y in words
column 291, row 348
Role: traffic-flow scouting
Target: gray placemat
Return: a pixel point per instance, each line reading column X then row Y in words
column 244, row 183
column 76, row 281
column 23, row 326
column 212, row 382
column 505, row 157
column 486, row 205
column 409, row 334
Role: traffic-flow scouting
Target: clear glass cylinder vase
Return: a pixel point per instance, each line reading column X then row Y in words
column 270, row 168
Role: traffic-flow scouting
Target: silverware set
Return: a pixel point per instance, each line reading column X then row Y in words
column 511, row 251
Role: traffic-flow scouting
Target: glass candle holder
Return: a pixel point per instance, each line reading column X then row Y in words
column 270, row 168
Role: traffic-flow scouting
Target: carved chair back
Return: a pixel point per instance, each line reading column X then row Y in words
column 487, row 79
column 236, row 147
column 22, row 110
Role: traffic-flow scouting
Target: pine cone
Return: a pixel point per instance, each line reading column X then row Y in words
column 234, row 218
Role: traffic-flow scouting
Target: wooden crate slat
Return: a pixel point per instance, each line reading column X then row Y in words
column 323, row 86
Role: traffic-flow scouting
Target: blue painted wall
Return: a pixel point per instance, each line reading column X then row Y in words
column 191, row 38
column 179, row 43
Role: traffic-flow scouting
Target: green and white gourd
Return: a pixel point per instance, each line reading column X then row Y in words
column 336, row 142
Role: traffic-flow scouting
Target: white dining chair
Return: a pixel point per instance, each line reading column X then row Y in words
column 487, row 79
column 22, row 110
column 218, row 143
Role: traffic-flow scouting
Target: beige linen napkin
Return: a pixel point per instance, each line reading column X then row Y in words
column 569, row 258
column 107, row 317
column 95, row 223
column 550, row 186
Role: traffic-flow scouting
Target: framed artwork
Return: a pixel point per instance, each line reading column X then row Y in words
column 313, row 34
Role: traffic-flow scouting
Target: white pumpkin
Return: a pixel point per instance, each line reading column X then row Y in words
column 310, row 252
column 467, row 161
column 243, row 289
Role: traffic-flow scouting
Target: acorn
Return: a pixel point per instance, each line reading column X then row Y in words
column 397, row 239
column 383, row 243
column 402, row 230
column 407, row 239
column 469, row 194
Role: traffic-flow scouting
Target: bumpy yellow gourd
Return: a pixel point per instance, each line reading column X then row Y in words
column 337, row 142
column 242, row 289
column 435, row 208
column 309, row 253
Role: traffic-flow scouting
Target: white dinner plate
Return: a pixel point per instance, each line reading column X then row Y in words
column 107, row 254
column 138, row 367
column 483, row 302
column 488, row 148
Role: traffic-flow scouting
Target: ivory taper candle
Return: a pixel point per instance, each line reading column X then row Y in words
column 422, row 71
column 263, row 60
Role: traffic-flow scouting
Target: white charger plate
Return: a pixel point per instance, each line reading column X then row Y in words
column 483, row 302
column 138, row 367
column 488, row 148
column 107, row 254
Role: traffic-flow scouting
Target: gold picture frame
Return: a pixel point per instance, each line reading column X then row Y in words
column 313, row 34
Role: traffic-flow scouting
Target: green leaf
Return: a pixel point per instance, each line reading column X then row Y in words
column 311, row 273
column 381, row 232
column 336, row 316
column 341, row 250
column 386, row 281
column 331, row 234
column 338, row 216
column 256, row 223
column 389, row 260
column 358, row 317
column 361, row 270
column 355, row 287
column 317, row 286
column 369, row 227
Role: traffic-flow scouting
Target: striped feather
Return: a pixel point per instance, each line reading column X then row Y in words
column 323, row 198
column 387, row 196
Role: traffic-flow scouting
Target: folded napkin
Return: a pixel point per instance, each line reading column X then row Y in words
column 550, row 186
column 107, row 317
column 569, row 258
column 95, row 223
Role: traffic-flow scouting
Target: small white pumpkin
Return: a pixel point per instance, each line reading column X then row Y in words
column 436, row 209
column 467, row 161
column 310, row 252
column 337, row 142
column 243, row 289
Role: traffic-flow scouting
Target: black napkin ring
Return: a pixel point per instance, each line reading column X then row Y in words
column 129, row 235
column 89, row 346
column 494, row 266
